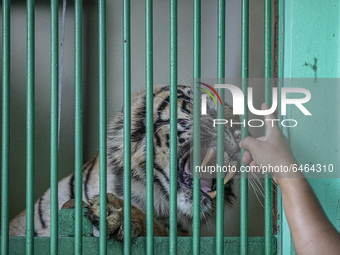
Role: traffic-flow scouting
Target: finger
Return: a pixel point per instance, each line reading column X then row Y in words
column 253, row 166
column 270, row 119
column 250, row 144
column 262, row 138
column 247, row 158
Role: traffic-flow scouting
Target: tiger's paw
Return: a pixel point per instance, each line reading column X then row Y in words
column 114, row 217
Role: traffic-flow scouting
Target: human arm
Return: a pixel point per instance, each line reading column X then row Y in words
column 312, row 233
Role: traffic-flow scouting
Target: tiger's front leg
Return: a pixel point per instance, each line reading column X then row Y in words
column 115, row 218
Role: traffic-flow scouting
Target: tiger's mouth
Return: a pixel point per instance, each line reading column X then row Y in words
column 208, row 179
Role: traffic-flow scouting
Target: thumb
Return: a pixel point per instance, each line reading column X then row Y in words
column 249, row 143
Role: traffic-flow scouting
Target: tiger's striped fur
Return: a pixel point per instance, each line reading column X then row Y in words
column 115, row 150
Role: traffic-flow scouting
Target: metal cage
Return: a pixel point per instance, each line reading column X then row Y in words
column 196, row 244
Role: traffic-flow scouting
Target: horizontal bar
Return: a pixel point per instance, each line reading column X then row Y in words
column 5, row 126
column 30, row 130
column 54, row 128
column 232, row 245
column 78, row 127
column 102, row 126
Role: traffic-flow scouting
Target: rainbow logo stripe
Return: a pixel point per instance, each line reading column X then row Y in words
column 209, row 93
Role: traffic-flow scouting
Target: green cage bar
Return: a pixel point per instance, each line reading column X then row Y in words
column 220, row 129
column 268, row 94
column 127, row 126
column 102, row 126
column 5, row 125
column 280, row 212
column 78, row 143
column 149, row 126
column 196, row 248
column 30, row 130
column 244, row 129
column 173, row 128
column 54, row 129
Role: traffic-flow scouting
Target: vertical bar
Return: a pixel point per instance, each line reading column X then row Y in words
column 173, row 127
column 78, row 128
column 5, row 124
column 127, row 126
column 30, row 131
column 268, row 100
column 54, row 129
column 149, row 126
column 220, row 129
column 279, row 30
column 197, row 129
column 244, row 129
column 102, row 126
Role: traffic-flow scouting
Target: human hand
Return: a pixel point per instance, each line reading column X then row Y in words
column 269, row 150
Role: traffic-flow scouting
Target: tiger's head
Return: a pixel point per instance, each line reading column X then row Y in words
column 161, row 155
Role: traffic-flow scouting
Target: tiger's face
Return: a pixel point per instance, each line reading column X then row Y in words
column 161, row 140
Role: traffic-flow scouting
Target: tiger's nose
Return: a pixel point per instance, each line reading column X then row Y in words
column 237, row 135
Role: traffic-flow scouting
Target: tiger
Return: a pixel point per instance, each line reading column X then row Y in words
column 161, row 169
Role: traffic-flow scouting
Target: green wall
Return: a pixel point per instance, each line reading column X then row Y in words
column 310, row 49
